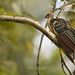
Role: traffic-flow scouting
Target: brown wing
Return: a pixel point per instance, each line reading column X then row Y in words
column 66, row 34
column 67, row 41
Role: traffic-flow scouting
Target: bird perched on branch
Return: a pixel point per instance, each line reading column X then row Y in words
column 65, row 34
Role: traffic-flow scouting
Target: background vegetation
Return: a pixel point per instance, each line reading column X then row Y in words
column 17, row 48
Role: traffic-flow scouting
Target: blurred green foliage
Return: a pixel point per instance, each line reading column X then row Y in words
column 16, row 40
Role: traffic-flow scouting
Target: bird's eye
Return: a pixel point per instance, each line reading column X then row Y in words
column 48, row 15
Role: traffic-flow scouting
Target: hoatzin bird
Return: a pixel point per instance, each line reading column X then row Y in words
column 65, row 34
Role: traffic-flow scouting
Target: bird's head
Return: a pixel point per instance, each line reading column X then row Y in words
column 49, row 15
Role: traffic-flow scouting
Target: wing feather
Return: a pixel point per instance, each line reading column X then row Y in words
column 70, row 35
column 66, row 42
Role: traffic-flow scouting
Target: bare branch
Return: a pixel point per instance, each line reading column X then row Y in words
column 35, row 24
column 54, row 5
column 70, row 3
column 63, row 7
column 61, row 10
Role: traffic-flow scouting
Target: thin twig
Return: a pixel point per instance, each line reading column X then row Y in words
column 62, row 7
column 38, row 56
column 70, row 3
column 66, row 4
column 66, row 67
column 54, row 5
column 64, row 64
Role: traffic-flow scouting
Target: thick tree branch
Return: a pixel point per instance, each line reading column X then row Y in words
column 35, row 24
